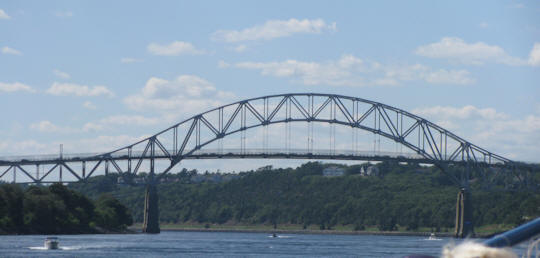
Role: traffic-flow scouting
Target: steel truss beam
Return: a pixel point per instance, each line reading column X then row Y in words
column 434, row 144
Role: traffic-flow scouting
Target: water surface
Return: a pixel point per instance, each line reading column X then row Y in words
column 223, row 244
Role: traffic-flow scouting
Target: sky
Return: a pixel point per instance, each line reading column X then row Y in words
column 98, row 75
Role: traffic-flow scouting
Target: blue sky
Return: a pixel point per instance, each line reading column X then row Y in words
column 95, row 75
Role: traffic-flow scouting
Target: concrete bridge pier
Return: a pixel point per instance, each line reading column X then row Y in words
column 151, row 210
column 151, row 204
column 464, row 214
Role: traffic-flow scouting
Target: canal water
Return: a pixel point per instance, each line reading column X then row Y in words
column 224, row 244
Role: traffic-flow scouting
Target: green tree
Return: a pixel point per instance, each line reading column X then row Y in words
column 11, row 218
column 111, row 214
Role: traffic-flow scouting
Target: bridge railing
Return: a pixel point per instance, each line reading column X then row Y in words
column 317, row 152
column 221, row 153
column 224, row 151
column 45, row 157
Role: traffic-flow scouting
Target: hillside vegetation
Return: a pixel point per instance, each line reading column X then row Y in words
column 58, row 210
column 400, row 196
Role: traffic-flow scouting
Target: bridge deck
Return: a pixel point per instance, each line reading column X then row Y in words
column 223, row 154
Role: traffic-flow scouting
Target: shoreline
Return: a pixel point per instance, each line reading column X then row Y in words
column 320, row 232
column 96, row 231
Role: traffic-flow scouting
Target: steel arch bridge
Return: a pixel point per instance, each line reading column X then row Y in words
column 428, row 142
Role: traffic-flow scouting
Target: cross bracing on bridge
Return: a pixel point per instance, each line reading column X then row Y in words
column 425, row 141
column 208, row 154
column 215, row 153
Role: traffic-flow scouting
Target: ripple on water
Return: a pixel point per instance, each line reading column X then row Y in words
column 220, row 244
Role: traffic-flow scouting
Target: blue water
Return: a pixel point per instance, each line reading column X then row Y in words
column 223, row 244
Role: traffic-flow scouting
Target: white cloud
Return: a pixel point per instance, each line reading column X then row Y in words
column 66, row 89
column 106, row 123
column 22, row 147
column 456, row 49
column 509, row 136
column 4, row 15
column 44, row 126
column 48, row 127
column 534, row 56
column 92, row 127
column 274, row 29
column 130, row 120
column 442, row 76
column 16, row 86
column 240, row 48
column 116, row 121
column 223, row 64
column 483, row 25
column 89, row 105
column 385, row 82
column 420, row 72
column 10, row 51
column 353, row 71
column 188, row 93
column 466, row 112
column 63, row 14
column 99, row 144
column 129, row 60
column 174, row 49
column 61, row 74
column 3, row 146
column 309, row 73
column 104, row 143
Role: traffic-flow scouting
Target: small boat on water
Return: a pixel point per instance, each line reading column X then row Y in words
column 51, row 243
column 432, row 236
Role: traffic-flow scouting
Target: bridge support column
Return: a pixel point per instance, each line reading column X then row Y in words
column 151, row 210
column 464, row 218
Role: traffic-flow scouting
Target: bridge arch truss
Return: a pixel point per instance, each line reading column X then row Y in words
column 428, row 142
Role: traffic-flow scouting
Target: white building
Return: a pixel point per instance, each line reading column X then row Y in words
column 372, row 171
column 333, row 171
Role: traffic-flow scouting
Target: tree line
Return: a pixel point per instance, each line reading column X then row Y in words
column 408, row 196
column 58, row 210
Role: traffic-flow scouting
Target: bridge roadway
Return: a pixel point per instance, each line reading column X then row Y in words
column 322, row 154
column 252, row 153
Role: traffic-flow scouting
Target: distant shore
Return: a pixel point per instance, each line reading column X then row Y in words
column 93, row 231
column 309, row 231
column 269, row 230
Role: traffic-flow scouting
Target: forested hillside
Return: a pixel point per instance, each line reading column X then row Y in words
column 58, row 210
column 410, row 196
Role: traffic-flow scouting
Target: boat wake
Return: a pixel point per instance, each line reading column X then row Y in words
column 278, row 236
column 37, row 248
column 66, row 248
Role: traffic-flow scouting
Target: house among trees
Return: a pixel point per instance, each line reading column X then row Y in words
column 212, row 178
column 371, row 171
column 333, row 171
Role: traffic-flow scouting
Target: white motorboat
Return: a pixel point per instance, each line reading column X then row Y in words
column 51, row 243
column 433, row 237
